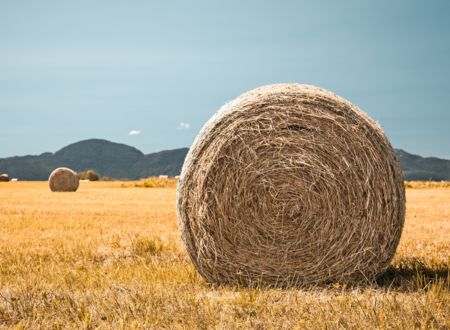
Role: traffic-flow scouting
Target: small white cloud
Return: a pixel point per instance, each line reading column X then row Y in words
column 184, row 126
column 134, row 132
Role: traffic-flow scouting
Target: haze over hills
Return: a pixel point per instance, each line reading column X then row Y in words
column 121, row 161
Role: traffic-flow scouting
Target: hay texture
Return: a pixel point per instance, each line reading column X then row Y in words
column 63, row 179
column 4, row 177
column 290, row 184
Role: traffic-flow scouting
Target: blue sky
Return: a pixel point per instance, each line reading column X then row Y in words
column 72, row 70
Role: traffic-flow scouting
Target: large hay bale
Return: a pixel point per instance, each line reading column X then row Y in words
column 290, row 184
column 4, row 177
column 63, row 179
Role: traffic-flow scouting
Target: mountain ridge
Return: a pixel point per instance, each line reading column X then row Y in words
column 116, row 160
column 121, row 161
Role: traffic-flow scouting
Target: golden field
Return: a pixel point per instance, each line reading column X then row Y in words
column 110, row 256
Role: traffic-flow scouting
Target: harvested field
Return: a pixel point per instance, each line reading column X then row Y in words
column 110, row 256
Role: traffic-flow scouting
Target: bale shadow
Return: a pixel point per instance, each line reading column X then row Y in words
column 406, row 275
column 413, row 275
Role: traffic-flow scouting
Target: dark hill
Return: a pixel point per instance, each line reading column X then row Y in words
column 423, row 168
column 111, row 159
column 121, row 161
column 108, row 158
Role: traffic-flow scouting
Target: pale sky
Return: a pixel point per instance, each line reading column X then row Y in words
column 150, row 73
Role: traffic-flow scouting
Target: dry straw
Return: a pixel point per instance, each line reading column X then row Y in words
column 290, row 184
column 63, row 179
column 4, row 177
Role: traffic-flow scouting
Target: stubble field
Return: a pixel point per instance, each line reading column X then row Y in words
column 110, row 256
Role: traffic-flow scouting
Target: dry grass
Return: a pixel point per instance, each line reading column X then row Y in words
column 110, row 257
column 152, row 182
column 427, row 184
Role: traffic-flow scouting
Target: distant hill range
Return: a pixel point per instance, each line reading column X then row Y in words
column 423, row 168
column 121, row 161
column 110, row 159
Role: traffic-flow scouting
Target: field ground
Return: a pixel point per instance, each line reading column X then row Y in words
column 111, row 257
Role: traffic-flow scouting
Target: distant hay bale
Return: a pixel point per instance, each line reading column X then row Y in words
column 63, row 179
column 92, row 175
column 4, row 177
column 290, row 184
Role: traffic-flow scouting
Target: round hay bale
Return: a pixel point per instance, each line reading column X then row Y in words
column 63, row 179
column 4, row 177
column 290, row 184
